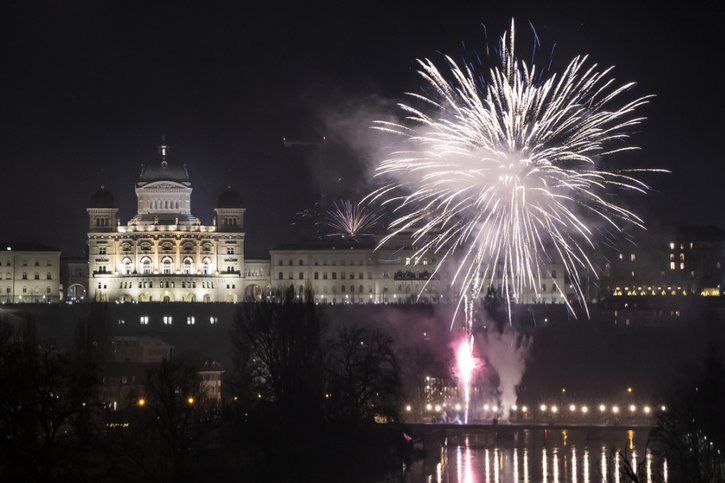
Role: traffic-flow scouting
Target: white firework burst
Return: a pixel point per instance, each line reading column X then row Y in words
column 348, row 219
column 501, row 169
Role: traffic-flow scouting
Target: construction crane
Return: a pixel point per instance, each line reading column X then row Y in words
column 288, row 143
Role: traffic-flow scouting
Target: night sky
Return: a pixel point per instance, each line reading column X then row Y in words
column 88, row 88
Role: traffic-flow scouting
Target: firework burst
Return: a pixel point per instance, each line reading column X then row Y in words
column 501, row 169
column 348, row 219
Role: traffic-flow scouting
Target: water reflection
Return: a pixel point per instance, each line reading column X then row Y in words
column 539, row 456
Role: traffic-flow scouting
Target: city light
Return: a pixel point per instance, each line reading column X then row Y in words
column 646, row 409
column 141, row 402
column 525, row 409
column 572, row 407
column 429, row 407
column 543, row 407
column 408, row 408
column 615, row 409
column 514, row 407
column 632, row 408
column 554, row 409
column 190, row 400
column 585, row 409
column 602, row 408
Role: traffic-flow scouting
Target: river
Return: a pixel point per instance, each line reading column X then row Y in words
column 539, row 455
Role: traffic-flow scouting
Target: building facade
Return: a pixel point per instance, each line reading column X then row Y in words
column 164, row 253
column 29, row 274
column 357, row 271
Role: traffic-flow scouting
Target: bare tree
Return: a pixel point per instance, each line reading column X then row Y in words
column 365, row 380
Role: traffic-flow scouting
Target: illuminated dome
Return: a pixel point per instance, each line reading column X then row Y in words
column 102, row 198
column 229, row 198
column 164, row 171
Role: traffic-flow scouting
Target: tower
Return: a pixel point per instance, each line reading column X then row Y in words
column 102, row 211
column 229, row 214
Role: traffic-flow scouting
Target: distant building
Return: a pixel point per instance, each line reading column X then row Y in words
column 125, row 374
column 209, row 376
column 354, row 271
column 164, row 253
column 29, row 274
column 680, row 261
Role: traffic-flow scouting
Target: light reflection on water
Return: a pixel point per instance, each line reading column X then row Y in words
column 537, row 456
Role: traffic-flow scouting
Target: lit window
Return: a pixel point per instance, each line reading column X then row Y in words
column 144, row 319
column 190, row 320
column 672, row 265
column 166, row 266
column 187, row 266
column 672, row 245
column 146, row 266
column 121, row 322
column 632, row 257
column 168, row 320
column 213, row 320
column 206, row 266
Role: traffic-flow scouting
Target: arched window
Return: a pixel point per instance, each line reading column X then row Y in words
column 146, row 265
column 127, row 266
column 188, row 263
column 206, row 266
column 166, row 266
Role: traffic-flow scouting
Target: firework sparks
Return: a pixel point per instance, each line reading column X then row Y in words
column 348, row 219
column 501, row 170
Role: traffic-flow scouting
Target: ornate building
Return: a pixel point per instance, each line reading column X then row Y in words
column 164, row 253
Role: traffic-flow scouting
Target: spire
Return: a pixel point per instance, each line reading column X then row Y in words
column 163, row 149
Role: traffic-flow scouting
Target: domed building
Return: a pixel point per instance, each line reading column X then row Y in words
column 164, row 253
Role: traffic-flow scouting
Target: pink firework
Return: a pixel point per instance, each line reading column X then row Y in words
column 467, row 364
